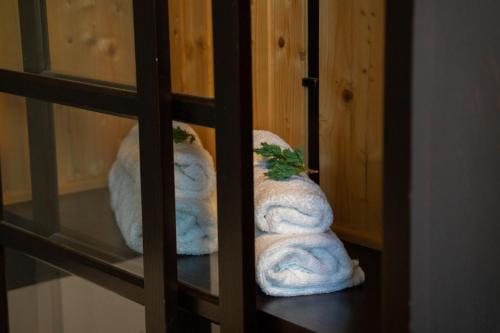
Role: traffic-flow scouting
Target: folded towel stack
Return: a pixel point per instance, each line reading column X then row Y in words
column 295, row 251
column 196, row 220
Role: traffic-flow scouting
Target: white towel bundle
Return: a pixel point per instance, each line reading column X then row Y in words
column 193, row 166
column 196, row 221
column 297, row 205
column 304, row 264
column 295, row 251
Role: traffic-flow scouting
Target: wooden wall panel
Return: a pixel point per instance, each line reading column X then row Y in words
column 92, row 39
column 191, row 45
column 351, row 115
column 191, row 49
column 14, row 154
column 278, row 38
column 10, row 36
column 87, row 143
column 279, row 33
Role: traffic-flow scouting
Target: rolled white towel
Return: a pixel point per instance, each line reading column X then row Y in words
column 126, row 205
column 293, row 265
column 196, row 227
column 296, row 205
column 193, row 166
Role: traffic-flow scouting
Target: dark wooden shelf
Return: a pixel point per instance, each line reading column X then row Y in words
column 86, row 223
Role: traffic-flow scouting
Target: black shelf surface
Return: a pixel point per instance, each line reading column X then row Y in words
column 87, row 224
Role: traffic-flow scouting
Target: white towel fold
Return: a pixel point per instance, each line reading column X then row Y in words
column 195, row 219
column 293, row 265
column 193, row 165
column 297, row 205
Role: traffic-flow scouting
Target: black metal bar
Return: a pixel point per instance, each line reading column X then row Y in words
column 398, row 79
column 43, row 166
column 86, row 80
column 233, row 100
column 157, row 175
column 32, row 38
column 69, row 92
column 194, row 110
column 40, row 124
column 42, row 150
column 44, row 31
column 312, row 83
column 4, row 311
column 78, row 263
column 4, row 307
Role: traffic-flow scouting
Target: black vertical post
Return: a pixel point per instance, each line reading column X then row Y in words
column 43, row 162
column 157, row 174
column 312, row 83
column 43, row 166
column 4, row 312
column 398, row 78
column 233, row 99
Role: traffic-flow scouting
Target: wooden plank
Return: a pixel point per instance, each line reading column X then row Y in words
column 10, row 34
column 92, row 39
column 279, row 64
column 14, row 151
column 191, row 47
column 192, row 54
column 351, row 115
column 87, row 143
column 13, row 129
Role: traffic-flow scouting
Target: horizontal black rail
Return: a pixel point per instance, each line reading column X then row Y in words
column 100, row 96
column 74, row 93
column 67, row 259
column 194, row 110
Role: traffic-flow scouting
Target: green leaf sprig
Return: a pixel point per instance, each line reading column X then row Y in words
column 282, row 163
column 181, row 136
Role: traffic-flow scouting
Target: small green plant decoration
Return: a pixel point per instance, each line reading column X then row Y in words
column 282, row 163
column 181, row 136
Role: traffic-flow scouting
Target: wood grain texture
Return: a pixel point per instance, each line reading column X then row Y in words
column 279, row 63
column 87, row 143
column 191, row 54
column 351, row 115
column 191, row 47
column 14, row 151
column 14, row 154
column 89, row 39
column 10, row 36
column 92, row 39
